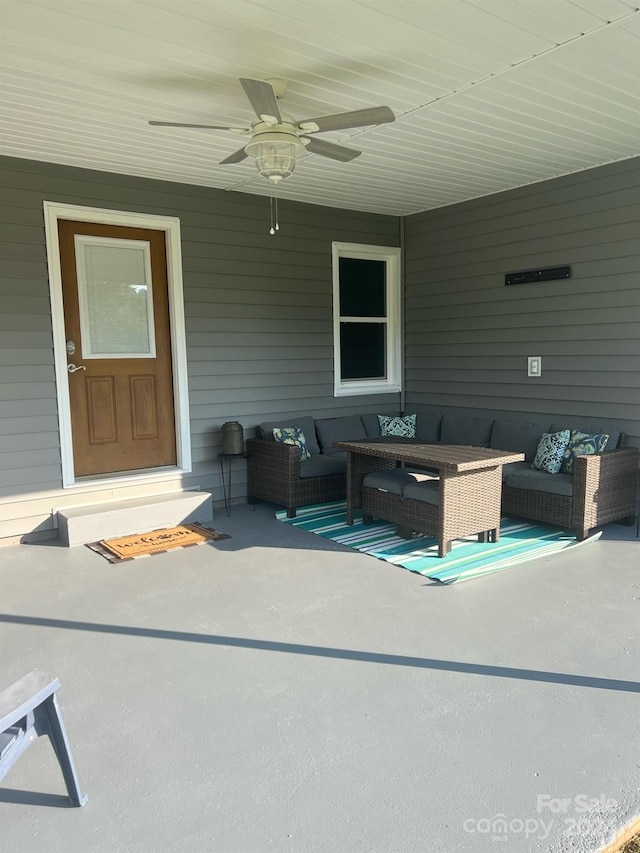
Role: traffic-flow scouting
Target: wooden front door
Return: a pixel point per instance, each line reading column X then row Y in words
column 115, row 295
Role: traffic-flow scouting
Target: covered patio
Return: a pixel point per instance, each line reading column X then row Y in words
column 275, row 691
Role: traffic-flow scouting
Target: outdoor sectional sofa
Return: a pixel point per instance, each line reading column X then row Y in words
column 603, row 487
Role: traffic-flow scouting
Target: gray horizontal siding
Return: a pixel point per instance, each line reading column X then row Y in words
column 513, row 206
column 259, row 318
column 25, row 183
column 29, row 425
column 258, row 314
column 22, row 390
column 498, row 299
column 29, row 475
column 19, row 409
column 587, row 328
column 28, row 373
column 26, row 441
column 580, row 333
column 37, row 458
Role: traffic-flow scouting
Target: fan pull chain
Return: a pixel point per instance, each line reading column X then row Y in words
column 274, row 218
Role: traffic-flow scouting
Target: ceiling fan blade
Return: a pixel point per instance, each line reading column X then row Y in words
column 237, row 157
column 329, row 149
column 263, row 99
column 207, row 126
column 355, row 118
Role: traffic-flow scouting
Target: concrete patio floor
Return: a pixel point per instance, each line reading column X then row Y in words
column 276, row 692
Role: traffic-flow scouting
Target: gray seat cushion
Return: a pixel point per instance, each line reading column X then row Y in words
column 306, row 424
column 394, row 480
column 346, row 428
column 428, row 492
column 457, row 429
column 515, row 436
column 513, row 467
column 323, row 466
column 592, row 429
column 539, row 481
column 428, row 427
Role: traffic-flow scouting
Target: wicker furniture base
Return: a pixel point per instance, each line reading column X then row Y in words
column 469, row 503
column 273, row 474
column 470, row 487
column 445, row 459
column 604, row 490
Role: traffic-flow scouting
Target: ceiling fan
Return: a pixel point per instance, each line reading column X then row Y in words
column 277, row 140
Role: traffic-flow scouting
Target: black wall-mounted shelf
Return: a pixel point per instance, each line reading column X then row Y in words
column 531, row 276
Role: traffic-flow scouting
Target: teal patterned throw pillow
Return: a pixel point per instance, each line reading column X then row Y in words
column 293, row 435
column 404, row 427
column 550, row 453
column 582, row 444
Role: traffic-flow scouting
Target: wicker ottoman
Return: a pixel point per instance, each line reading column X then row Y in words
column 414, row 502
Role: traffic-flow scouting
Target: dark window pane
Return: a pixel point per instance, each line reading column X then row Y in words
column 363, row 288
column 363, row 350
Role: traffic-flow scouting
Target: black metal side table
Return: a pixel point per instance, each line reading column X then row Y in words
column 226, row 482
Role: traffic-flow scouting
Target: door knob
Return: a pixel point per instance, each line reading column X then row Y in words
column 72, row 368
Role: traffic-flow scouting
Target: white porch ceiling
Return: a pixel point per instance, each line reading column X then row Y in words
column 488, row 94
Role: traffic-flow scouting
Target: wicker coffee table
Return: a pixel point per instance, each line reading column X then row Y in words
column 470, row 486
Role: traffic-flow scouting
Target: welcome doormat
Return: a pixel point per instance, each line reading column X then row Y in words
column 628, row 841
column 519, row 543
column 155, row 542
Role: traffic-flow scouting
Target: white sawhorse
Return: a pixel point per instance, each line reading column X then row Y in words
column 29, row 709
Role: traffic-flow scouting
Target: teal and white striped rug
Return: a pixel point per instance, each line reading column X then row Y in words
column 519, row 543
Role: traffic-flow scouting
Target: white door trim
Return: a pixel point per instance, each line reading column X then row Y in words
column 54, row 211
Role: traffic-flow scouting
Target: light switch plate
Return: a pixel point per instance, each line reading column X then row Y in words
column 534, row 365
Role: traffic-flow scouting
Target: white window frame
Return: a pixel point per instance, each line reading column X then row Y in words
column 393, row 381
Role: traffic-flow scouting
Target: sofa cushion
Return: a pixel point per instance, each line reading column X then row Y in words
column 395, row 479
column 305, row 423
column 550, row 452
column 539, row 481
column 371, row 424
column 513, row 467
column 403, row 426
column 428, row 427
column 428, row 492
column 581, row 444
column 516, row 436
column 346, row 428
column 324, row 466
column 293, row 435
column 457, row 429
column 593, row 429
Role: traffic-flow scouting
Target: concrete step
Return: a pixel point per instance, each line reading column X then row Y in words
column 121, row 518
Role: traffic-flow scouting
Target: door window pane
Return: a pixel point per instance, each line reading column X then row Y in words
column 115, row 298
column 363, row 350
column 363, row 287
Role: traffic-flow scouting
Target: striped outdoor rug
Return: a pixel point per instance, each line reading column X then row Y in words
column 519, row 543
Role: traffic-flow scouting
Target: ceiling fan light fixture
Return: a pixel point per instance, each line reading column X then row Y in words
column 275, row 154
column 277, row 140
